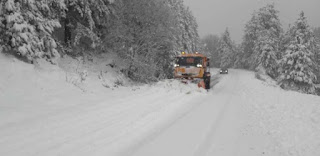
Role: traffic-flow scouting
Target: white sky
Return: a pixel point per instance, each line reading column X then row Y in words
column 213, row 16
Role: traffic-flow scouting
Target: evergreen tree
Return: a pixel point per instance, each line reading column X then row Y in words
column 226, row 50
column 86, row 23
column 210, row 47
column 148, row 34
column 317, row 52
column 297, row 65
column 185, row 27
column 266, row 47
column 250, row 36
column 26, row 27
column 317, row 33
column 265, row 55
column 240, row 60
column 191, row 37
column 262, row 39
column 317, row 37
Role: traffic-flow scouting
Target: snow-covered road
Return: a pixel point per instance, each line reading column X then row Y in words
column 42, row 114
column 216, row 127
column 88, row 129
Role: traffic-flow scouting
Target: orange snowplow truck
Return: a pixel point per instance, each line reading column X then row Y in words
column 193, row 67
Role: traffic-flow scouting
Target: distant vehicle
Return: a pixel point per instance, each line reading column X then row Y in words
column 194, row 66
column 224, row 71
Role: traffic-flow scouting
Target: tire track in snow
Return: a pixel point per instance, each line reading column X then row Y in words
column 187, row 127
column 208, row 139
column 67, row 111
column 91, row 126
column 206, row 143
column 102, row 139
column 61, row 123
column 162, row 127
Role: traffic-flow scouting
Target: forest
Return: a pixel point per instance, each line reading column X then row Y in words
column 148, row 34
column 290, row 57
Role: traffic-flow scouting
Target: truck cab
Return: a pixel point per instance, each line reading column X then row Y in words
column 192, row 66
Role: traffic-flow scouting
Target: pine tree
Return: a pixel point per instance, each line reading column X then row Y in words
column 146, row 36
column 185, row 27
column 26, row 28
column 210, row 47
column 226, row 50
column 240, row 60
column 297, row 65
column 250, row 36
column 317, row 33
column 86, row 23
column 262, row 39
column 266, row 47
column 191, row 36
column 317, row 37
column 266, row 54
column 317, row 53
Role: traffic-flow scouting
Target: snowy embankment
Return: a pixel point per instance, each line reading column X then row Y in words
column 290, row 118
column 45, row 110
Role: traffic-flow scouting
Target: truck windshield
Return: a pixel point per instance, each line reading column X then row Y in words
column 188, row 61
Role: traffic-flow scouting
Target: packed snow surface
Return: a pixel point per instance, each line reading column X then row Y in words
column 53, row 111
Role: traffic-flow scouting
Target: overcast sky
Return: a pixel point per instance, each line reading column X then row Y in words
column 213, row 16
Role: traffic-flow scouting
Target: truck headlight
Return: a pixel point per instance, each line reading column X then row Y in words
column 176, row 65
column 199, row 65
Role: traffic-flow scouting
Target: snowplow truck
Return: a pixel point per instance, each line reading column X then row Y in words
column 193, row 67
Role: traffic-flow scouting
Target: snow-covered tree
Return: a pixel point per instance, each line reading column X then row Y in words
column 265, row 54
column 317, row 32
column 317, row 37
column 317, row 52
column 143, row 34
column 240, row 60
column 226, row 50
column 86, row 21
column 266, row 47
column 185, row 27
column 298, row 64
column 210, row 47
column 148, row 34
column 190, row 35
column 262, row 39
column 250, row 36
column 26, row 27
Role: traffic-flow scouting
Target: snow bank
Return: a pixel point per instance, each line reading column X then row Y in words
column 25, row 89
column 93, row 74
column 292, row 119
